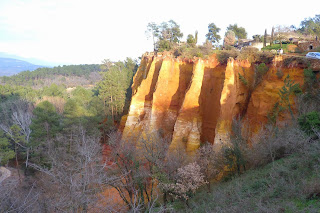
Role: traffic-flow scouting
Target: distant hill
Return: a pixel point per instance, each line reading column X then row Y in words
column 10, row 66
column 30, row 60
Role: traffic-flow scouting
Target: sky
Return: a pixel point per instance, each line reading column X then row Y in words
column 88, row 31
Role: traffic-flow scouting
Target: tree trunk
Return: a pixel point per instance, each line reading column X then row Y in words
column 112, row 108
column 17, row 163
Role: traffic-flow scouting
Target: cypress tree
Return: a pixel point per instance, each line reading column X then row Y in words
column 265, row 38
column 272, row 34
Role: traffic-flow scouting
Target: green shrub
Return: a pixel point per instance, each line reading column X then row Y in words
column 265, row 57
column 224, row 55
column 310, row 80
column 243, row 79
column 164, row 45
column 249, row 53
column 259, row 71
column 296, row 61
column 309, row 122
column 186, row 51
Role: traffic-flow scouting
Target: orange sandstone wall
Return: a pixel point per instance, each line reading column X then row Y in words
column 266, row 95
column 194, row 101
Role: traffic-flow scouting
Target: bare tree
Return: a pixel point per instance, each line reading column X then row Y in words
column 17, row 116
column 76, row 177
column 272, row 143
column 210, row 159
column 20, row 197
column 281, row 33
column 189, row 179
column 129, row 167
column 144, row 167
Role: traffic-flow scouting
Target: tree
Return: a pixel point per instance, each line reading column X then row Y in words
column 74, row 115
column 257, row 38
column 196, row 36
column 213, row 35
column 191, row 40
column 209, row 158
column 54, row 90
column 172, row 31
column 289, row 88
column 112, row 89
column 229, row 38
column 311, row 26
column 240, row 32
column 265, row 38
column 281, row 33
column 45, row 126
column 189, row 179
column 132, row 187
column 164, row 35
column 153, row 30
column 272, row 36
column 82, row 95
column 235, row 152
column 5, row 152
column 77, row 175
column 16, row 120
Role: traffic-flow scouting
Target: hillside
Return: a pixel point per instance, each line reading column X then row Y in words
column 68, row 75
column 10, row 66
column 291, row 184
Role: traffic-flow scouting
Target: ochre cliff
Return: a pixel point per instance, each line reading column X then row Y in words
column 194, row 101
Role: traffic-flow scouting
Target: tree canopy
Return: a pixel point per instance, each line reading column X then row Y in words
column 240, row 32
column 213, row 35
column 311, row 26
column 164, row 35
column 229, row 38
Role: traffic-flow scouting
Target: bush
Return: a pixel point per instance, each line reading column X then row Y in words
column 224, row 55
column 296, row 61
column 310, row 122
column 265, row 57
column 249, row 53
column 190, row 52
column 259, row 72
column 164, row 45
column 272, row 143
column 189, row 179
column 256, row 56
column 235, row 153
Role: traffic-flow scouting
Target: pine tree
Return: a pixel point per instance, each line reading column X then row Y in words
column 45, row 124
column 112, row 89
column 5, row 152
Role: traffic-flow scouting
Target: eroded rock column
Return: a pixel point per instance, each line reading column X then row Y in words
column 187, row 129
column 141, row 102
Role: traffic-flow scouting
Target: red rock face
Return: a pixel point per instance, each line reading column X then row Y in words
column 195, row 101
